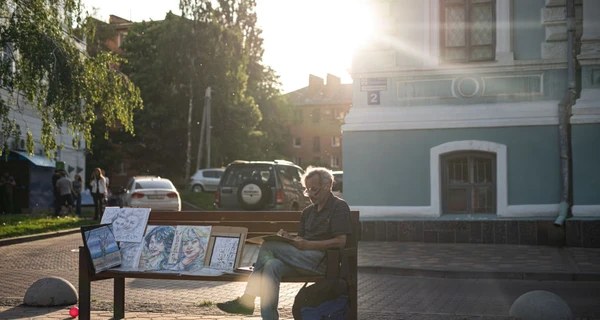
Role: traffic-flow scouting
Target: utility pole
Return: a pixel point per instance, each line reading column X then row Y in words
column 204, row 127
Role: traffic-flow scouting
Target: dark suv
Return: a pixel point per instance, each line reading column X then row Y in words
column 261, row 185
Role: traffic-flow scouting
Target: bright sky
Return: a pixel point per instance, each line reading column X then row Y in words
column 302, row 37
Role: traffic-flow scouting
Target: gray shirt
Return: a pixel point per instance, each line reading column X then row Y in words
column 64, row 186
column 333, row 220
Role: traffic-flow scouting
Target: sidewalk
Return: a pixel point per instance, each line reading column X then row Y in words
column 458, row 261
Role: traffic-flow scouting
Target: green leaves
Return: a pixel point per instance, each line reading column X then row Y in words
column 51, row 70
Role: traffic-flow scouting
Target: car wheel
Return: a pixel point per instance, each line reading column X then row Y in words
column 253, row 195
column 197, row 188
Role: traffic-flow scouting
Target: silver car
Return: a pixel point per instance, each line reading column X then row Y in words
column 206, row 180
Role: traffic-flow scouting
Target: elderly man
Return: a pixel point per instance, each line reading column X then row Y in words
column 323, row 225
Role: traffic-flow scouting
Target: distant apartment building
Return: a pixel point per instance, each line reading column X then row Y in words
column 315, row 126
column 121, row 27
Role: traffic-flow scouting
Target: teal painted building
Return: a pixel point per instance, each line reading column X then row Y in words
column 456, row 111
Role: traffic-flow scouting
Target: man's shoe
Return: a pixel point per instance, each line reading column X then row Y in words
column 236, row 306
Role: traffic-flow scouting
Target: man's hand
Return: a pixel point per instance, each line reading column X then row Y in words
column 301, row 243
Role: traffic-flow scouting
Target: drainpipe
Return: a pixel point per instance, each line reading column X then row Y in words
column 564, row 115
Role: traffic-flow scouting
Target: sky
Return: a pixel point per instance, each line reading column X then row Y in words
column 301, row 37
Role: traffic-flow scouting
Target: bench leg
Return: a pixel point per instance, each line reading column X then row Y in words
column 353, row 288
column 119, row 298
column 84, row 285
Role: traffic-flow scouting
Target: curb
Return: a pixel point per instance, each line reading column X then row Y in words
column 459, row 274
column 33, row 237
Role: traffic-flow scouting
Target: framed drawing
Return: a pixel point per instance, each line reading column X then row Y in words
column 102, row 247
column 225, row 247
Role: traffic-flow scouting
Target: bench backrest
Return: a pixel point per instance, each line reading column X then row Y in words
column 258, row 222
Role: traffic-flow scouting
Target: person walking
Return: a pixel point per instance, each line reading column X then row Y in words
column 55, row 192
column 65, row 188
column 77, row 188
column 323, row 225
column 7, row 191
column 98, row 188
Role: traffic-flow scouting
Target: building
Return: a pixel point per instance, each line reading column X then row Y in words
column 317, row 115
column 454, row 135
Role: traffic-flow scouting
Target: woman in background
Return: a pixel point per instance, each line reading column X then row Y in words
column 98, row 188
column 77, row 187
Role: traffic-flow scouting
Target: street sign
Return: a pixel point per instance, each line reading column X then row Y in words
column 373, row 98
column 373, row 84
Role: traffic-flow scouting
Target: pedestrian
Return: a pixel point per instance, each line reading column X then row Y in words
column 324, row 224
column 55, row 192
column 7, row 192
column 65, row 188
column 98, row 189
column 77, row 188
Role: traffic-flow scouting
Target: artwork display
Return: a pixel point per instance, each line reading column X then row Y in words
column 128, row 223
column 156, row 248
column 130, row 255
column 100, row 242
column 224, row 253
column 189, row 248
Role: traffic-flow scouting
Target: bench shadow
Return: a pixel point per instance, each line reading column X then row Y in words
column 34, row 312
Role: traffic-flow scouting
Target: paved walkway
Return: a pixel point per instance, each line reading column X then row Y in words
column 24, row 262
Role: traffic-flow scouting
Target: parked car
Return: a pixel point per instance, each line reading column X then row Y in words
column 206, row 180
column 261, row 185
column 151, row 192
column 338, row 184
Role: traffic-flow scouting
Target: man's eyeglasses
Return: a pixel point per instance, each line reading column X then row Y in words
column 313, row 191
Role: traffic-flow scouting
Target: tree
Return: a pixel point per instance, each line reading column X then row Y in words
column 44, row 62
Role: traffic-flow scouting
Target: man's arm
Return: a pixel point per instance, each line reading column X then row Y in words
column 337, row 242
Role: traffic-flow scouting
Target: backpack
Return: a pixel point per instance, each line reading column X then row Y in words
column 326, row 298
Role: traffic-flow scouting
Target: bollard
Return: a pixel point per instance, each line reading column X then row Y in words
column 538, row 305
column 51, row 291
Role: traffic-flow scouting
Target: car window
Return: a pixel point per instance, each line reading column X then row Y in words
column 219, row 174
column 154, row 184
column 208, row 174
column 338, row 183
column 236, row 175
column 295, row 175
column 285, row 175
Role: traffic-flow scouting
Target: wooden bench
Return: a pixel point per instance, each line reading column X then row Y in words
column 258, row 223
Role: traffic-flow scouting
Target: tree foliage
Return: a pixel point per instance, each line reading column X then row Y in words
column 44, row 67
column 171, row 60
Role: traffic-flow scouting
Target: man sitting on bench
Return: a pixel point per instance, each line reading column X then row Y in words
column 323, row 225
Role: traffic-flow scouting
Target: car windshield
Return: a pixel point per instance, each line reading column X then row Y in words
column 236, row 175
column 154, row 184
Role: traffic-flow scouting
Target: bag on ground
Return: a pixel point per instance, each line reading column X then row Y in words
column 326, row 298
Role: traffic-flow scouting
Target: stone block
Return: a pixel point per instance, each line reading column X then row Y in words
column 527, row 233
column 405, row 231
column 500, row 232
column 391, row 230
column 556, row 235
column 591, row 233
column 475, row 231
column 430, row 236
column 380, row 231
column 463, row 236
column 446, row 236
column 418, row 231
column 487, row 232
column 368, row 231
column 512, row 232
column 574, row 233
column 51, row 291
column 542, row 232
column 540, row 305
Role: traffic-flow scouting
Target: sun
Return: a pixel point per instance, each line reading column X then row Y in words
column 313, row 36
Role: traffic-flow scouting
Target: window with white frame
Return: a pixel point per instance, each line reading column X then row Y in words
column 335, row 161
column 297, row 142
column 335, row 141
column 468, row 30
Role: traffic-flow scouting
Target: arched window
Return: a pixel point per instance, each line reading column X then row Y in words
column 468, row 182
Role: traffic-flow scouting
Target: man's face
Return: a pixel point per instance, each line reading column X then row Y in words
column 317, row 193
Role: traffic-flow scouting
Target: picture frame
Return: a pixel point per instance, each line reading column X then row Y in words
column 101, row 246
column 225, row 247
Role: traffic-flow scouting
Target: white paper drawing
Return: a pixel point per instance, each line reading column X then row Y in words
column 130, row 255
column 189, row 248
column 224, row 253
column 156, row 248
column 128, row 223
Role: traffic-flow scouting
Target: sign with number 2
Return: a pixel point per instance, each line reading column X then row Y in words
column 373, row 98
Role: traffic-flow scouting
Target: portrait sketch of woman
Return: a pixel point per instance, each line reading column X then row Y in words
column 192, row 247
column 157, row 246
